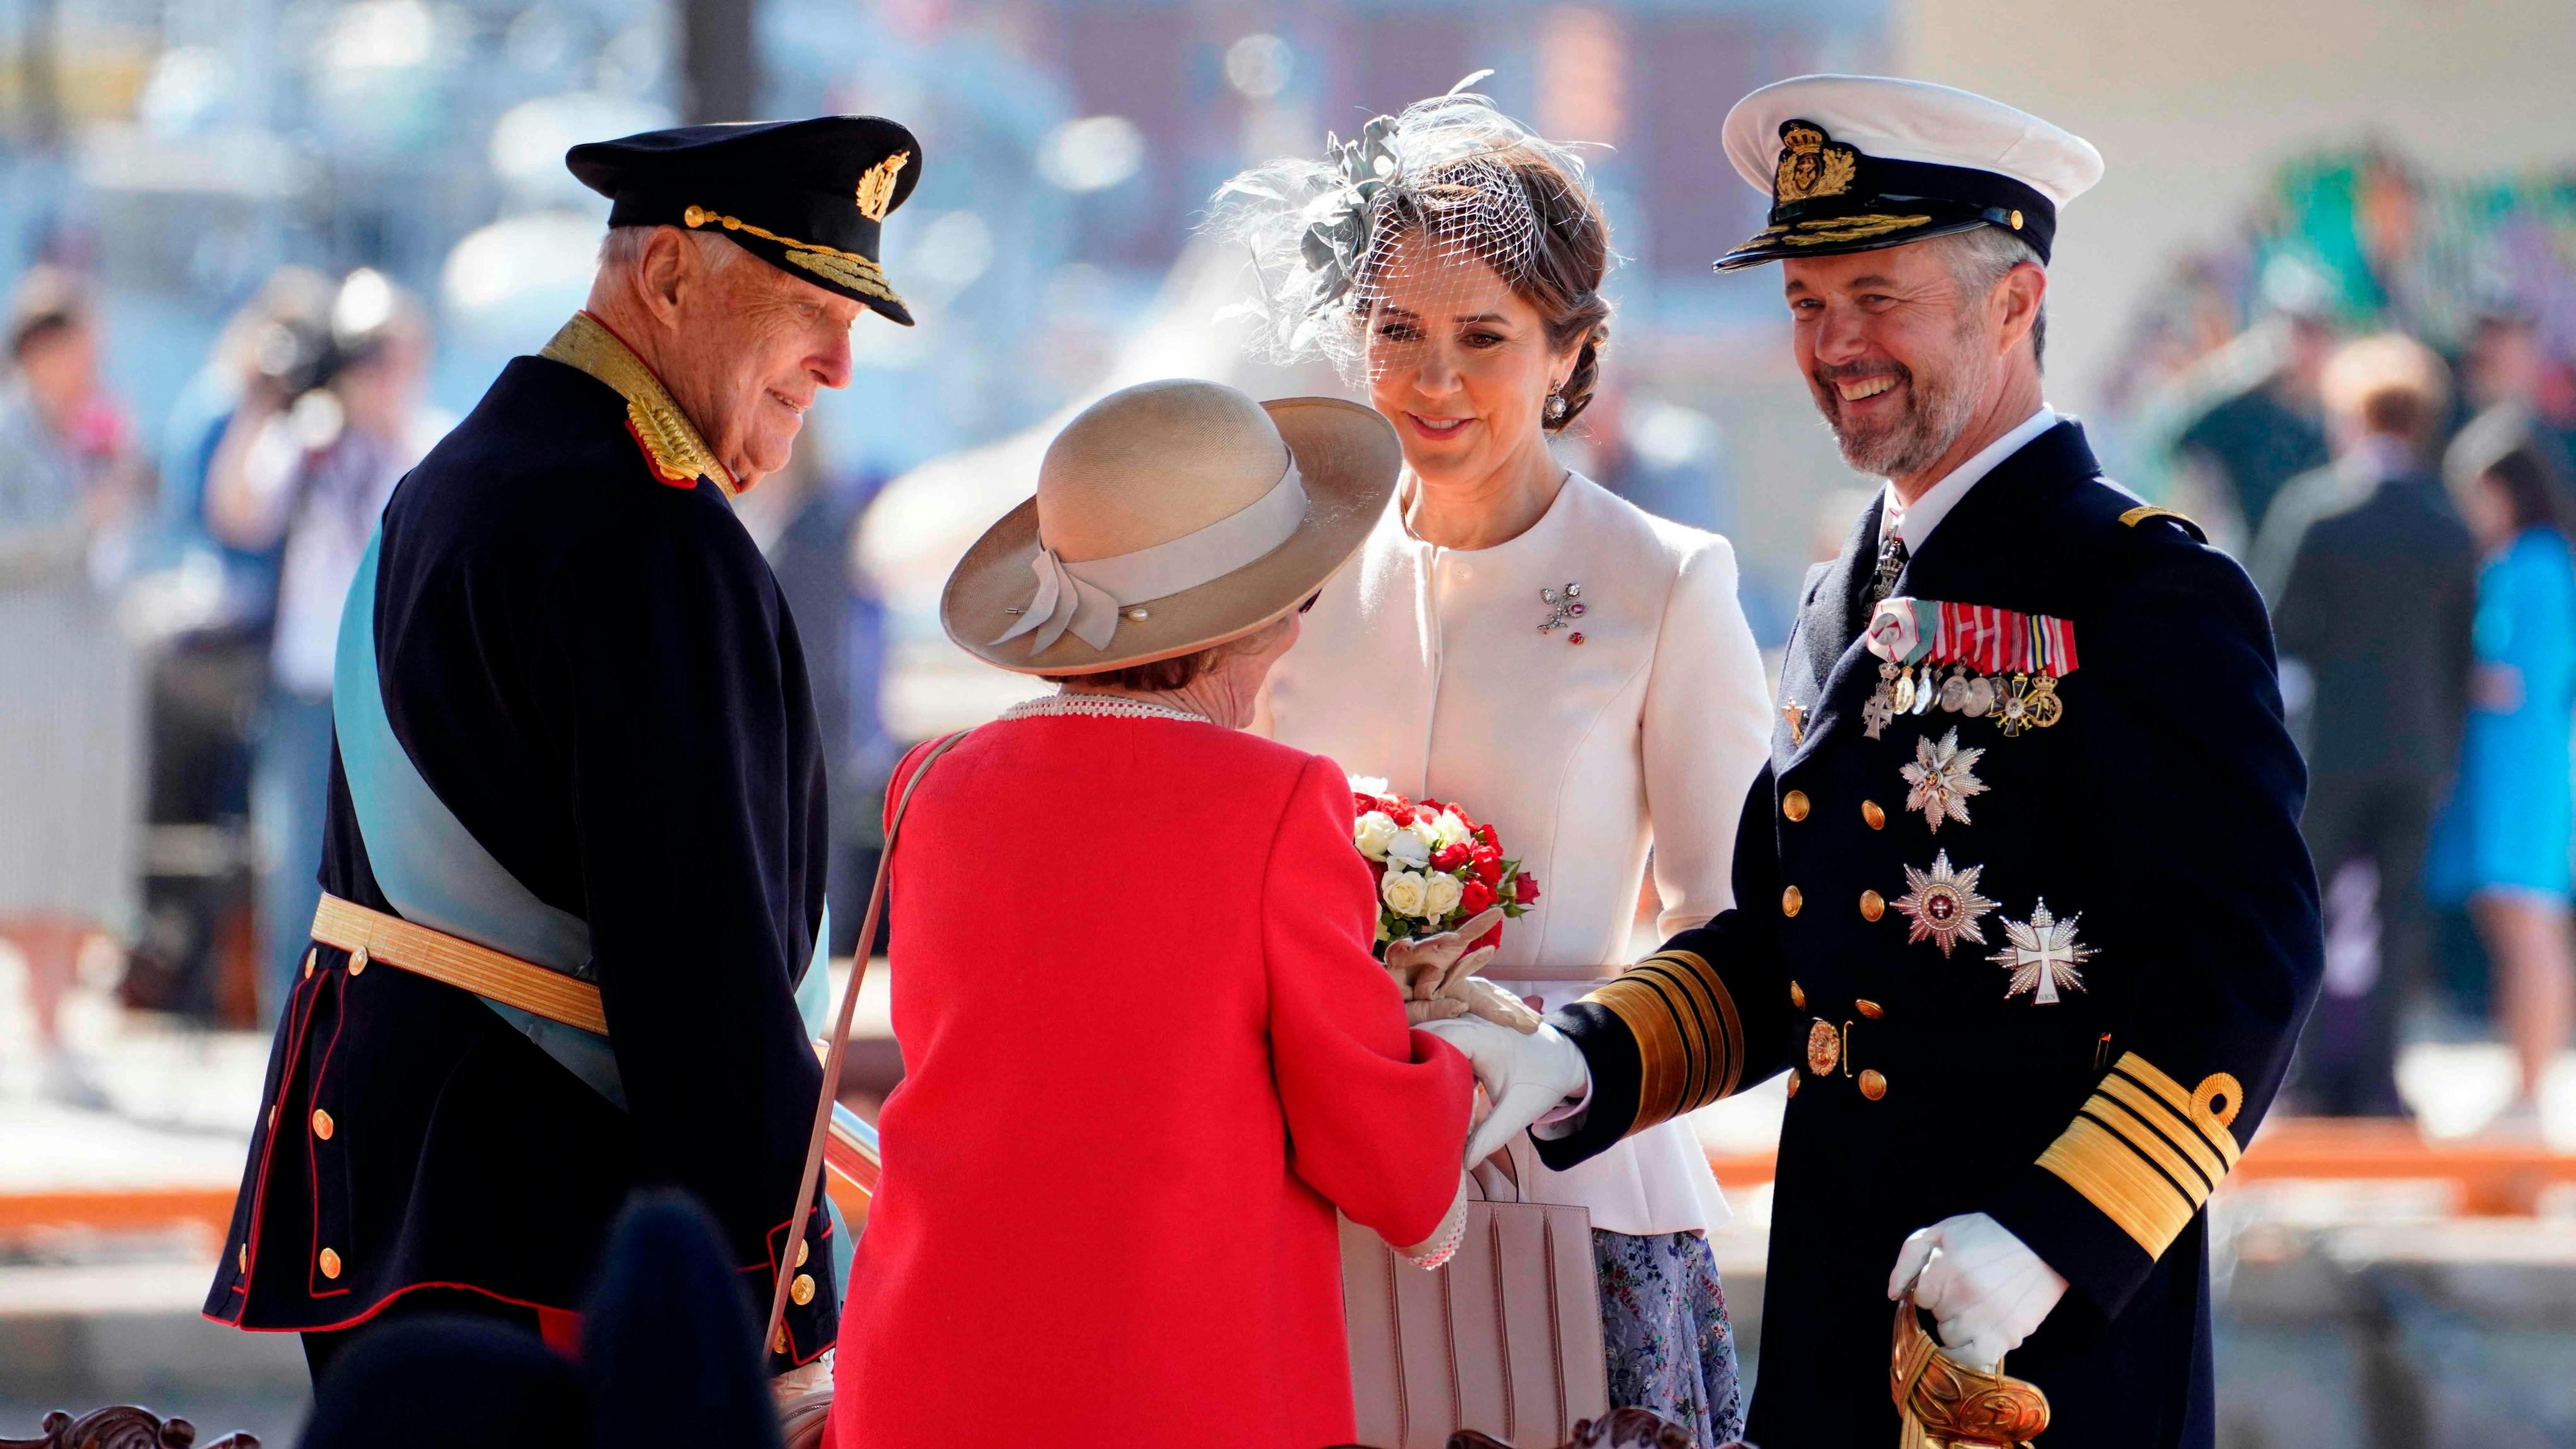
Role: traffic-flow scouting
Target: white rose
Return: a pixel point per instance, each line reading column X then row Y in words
column 1449, row 829
column 1368, row 784
column 1403, row 891
column 1426, row 828
column 1442, row 896
column 1406, row 847
column 1372, row 833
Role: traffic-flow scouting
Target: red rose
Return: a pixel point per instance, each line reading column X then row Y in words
column 1485, row 833
column 1476, row 897
column 1399, row 812
column 1431, row 805
column 1524, row 889
column 1489, row 864
column 1493, row 937
column 1362, row 804
column 1449, row 857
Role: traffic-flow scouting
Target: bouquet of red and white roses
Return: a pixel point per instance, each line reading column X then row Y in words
column 1437, row 867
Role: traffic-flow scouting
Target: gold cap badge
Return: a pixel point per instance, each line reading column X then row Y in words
column 1811, row 164
column 876, row 188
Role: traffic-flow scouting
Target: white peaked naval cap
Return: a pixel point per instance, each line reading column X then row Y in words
column 1856, row 162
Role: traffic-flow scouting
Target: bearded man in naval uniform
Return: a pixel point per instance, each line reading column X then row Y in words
column 575, row 846
column 2021, row 903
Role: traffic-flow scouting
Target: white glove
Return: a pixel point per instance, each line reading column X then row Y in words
column 1984, row 1286
column 1525, row 1073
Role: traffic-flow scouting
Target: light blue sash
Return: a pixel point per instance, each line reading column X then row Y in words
column 437, row 874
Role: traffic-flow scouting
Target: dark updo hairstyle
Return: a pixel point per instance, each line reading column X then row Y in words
column 2500, row 447
column 1560, row 276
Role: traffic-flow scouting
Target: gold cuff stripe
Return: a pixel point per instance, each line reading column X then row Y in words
column 2172, row 1133
column 1666, row 1048
column 2146, row 1152
column 421, row 951
column 2176, row 1164
column 1693, row 1000
column 2145, row 1073
column 858, row 273
column 2124, row 1186
column 1725, row 1059
column 1690, row 1039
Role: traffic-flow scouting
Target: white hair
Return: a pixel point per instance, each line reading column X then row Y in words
column 624, row 247
column 1982, row 256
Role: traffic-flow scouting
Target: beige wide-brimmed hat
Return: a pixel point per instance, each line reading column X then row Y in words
column 1171, row 516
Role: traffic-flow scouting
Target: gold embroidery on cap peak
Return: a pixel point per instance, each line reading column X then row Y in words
column 859, row 274
column 670, row 444
column 876, row 188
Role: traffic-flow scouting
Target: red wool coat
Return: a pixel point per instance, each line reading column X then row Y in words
column 1148, row 1055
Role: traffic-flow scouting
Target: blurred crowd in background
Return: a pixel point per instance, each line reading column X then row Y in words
column 262, row 252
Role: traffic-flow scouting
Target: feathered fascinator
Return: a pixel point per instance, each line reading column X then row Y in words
column 1320, row 230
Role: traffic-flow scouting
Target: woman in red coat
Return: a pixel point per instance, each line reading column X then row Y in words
column 1148, row 1051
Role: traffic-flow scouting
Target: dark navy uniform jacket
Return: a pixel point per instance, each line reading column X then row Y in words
column 592, row 668
column 2159, row 816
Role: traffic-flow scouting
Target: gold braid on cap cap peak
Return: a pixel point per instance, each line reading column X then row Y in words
column 849, row 269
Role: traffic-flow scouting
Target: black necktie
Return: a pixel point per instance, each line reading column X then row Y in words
column 1891, row 562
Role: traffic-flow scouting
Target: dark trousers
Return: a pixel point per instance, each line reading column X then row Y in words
column 2367, row 835
column 320, row 1349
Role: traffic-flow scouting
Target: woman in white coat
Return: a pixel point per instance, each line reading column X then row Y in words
column 1515, row 637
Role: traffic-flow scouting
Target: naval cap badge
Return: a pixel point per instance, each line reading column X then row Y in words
column 1812, row 164
column 876, row 186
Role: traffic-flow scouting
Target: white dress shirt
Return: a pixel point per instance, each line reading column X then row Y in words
column 1425, row 665
column 1914, row 522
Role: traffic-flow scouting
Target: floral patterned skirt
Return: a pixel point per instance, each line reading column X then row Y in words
column 1663, row 1321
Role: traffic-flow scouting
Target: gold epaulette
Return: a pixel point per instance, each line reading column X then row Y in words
column 1690, row 1039
column 2146, row 511
column 2148, row 1153
column 677, row 453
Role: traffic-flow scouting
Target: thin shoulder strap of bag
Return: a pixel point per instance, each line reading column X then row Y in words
column 833, row 1055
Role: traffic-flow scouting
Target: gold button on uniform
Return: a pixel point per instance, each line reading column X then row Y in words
column 308, row 965
column 1876, row 817
column 1797, row 996
column 321, row 1124
column 358, row 962
column 804, row 1251
column 1793, row 1081
column 329, row 1262
column 1872, row 1084
column 778, row 1341
column 802, row 1290
column 1794, row 805
column 1792, row 901
column 243, row 1257
column 1870, row 1009
column 1872, row 905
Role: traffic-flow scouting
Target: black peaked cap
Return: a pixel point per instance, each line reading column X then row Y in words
column 809, row 197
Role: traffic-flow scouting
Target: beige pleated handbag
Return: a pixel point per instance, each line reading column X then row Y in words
column 1505, row 1338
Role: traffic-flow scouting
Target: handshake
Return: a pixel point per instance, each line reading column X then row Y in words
column 1526, row 1067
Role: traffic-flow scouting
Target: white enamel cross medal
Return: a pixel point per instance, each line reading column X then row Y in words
column 2042, row 956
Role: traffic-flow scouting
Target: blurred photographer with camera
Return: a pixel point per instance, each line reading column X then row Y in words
column 323, row 433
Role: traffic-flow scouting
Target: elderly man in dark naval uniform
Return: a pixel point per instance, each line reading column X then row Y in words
column 2020, row 901
column 575, row 847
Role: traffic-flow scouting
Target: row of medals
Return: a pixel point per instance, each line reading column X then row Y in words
column 2025, row 701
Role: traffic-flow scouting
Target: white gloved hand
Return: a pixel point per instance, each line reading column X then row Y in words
column 1985, row 1287
column 1525, row 1073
